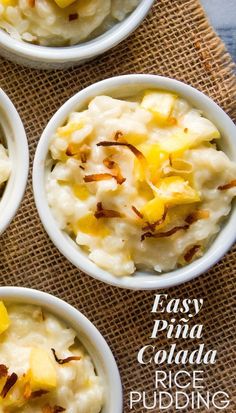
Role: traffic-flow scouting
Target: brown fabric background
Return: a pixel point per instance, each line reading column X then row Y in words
column 177, row 41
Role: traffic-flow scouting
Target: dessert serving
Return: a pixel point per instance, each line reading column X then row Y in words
column 5, row 165
column 61, row 22
column 43, row 366
column 140, row 183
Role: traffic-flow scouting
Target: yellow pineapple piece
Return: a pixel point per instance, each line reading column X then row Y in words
column 135, row 138
column 64, row 3
column 67, row 130
column 153, row 210
column 177, row 143
column 160, row 103
column 174, row 190
column 81, row 191
column 155, row 157
column 4, row 318
column 91, row 226
column 9, row 3
column 145, row 191
column 199, row 128
column 42, row 374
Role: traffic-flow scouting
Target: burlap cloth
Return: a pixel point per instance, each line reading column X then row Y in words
column 177, row 41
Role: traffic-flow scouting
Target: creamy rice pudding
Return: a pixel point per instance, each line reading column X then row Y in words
column 43, row 366
column 61, row 22
column 140, row 183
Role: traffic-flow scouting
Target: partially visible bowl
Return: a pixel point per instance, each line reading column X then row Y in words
column 17, row 145
column 122, row 87
column 89, row 336
column 42, row 57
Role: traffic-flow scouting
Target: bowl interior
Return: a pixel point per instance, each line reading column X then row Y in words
column 91, row 339
column 124, row 87
column 82, row 51
column 15, row 140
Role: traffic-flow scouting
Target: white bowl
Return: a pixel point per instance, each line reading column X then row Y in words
column 17, row 145
column 87, row 333
column 125, row 86
column 41, row 57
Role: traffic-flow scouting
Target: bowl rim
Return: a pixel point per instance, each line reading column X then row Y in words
column 14, row 293
column 21, row 166
column 141, row 281
column 83, row 51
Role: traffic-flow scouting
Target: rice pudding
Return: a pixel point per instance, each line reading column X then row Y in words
column 140, row 183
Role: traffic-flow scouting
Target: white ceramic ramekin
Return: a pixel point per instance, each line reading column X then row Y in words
column 89, row 336
column 121, row 87
column 17, row 145
column 64, row 57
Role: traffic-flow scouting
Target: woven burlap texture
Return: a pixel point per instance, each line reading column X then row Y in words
column 176, row 41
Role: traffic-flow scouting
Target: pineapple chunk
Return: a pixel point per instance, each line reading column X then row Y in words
column 64, row 3
column 160, row 103
column 176, row 143
column 145, row 191
column 91, row 226
column 155, row 157
column 174, row 190
column 135, row 138
column 9, row 3
column 42, row 373
column 153, row 210
column 67, row 130
column 199, row 128
column 81, row 191
column 4, row 318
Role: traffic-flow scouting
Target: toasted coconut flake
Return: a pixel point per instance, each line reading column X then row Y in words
column 98, row 177
column 196, row 215
column 164, row 234
column 73, row 16
column 137, row 212
column 118, row 135
column 172, row 121
column 58, row 409
column 152, row 227
column 133, row 149
column 106, row 213
column 109, row 163
column 185, row 130
column 31, row 3
column 191, row 252
column 38, row 393
column 84, row 153
column 116, row 172
column 11, row 380
column 53, row 409
column 27, row 391
column 70, row 152
column 66, row 360
column 229, row 185
column 3, row 371
column 99, row 206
